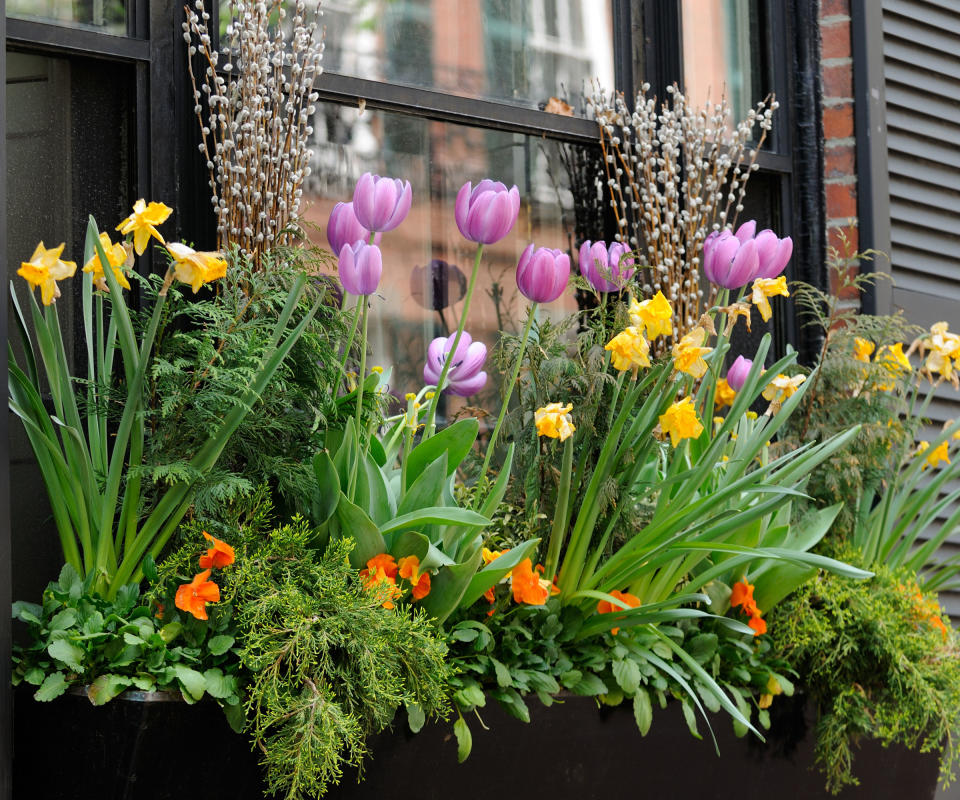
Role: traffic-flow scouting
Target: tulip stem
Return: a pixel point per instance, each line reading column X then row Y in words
column 448, row 361
column 360, row 381
column 353, row 333
column 531, row 313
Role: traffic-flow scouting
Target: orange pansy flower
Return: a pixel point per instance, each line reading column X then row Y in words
column 194, row 596
column 383, row 561
column 606, row 607
column 758, row 624
column 219, row 556
column 409, row 570
column 742, row 595
column 527, row 586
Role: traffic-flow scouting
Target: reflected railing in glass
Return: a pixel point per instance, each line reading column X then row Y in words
column 106, row 16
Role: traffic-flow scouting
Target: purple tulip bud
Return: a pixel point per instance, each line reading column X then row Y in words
column 738, row 372
column 360, row 267
column 344, row 228
column 542, row 274
column 465, row 376
column 487, row 212
column 732, row 260
column 605, row 268
column 380, row 204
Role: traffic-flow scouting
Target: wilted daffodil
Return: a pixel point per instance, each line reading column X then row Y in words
column 763, row 290
column 116, row 256
column 688, row 354
column 943, row 347
column 862, row 349
column 44, row 269
column 142, row 224
column 196, row 268
column 653, row 315
column 629, row 349
column 553, row 420
column 780, row 388
column 939, row 455
column 681, row 421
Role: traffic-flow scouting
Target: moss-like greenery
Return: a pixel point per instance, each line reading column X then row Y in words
column 879, row 660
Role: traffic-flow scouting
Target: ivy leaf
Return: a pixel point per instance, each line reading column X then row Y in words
column 67, row 653
column 642, row 711
column 52, row 687
column 464, row 739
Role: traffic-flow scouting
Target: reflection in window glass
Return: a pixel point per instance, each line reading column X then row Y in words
column 108, row 16
column 521, row 53
column 426, row 261
column 721, row 52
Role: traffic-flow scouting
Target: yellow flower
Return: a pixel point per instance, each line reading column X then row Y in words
column 688, row 354
column 681, row 421
column 141, row 223
column 44, row 269
column 780, row 388
column 751, row 415
column 763, row 290
column 377, row 370
column 896, row 362
column 862, row 349
column 935, row 457
column 724, row 395
column 943, row 347
column 489, row 556
column 630, row 350
column 196, row 268
column 116, row 257
column 553, row 420
column 653, row 314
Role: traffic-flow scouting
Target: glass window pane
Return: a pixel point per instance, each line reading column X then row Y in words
column 107, row 16
column 523, row 53
column 722, row 53
column 426, row 261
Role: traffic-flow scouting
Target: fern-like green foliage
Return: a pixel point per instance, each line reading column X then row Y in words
column 205, row 354
column 880, row 661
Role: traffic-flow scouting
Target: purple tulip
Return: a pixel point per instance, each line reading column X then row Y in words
column 487, row 212
column 605, row 268
column 542, row 274
column 465, row 376
column 380, row 204
column 360, row 267
column 344, row 228
column 738, row 372
column 732, row 260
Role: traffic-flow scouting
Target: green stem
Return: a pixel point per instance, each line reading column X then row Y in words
column 531, row 313
column 360, row 382
column 353, row 333
column 560, row 519
column 431, row 417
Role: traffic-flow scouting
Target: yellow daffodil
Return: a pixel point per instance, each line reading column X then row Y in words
column 196, row 268
column 44, row 269
column 630, row 350
column 780, row 388
column 142, row 223
column 724, row 395
column 943, row 347
column 116, row 257
column 934, row 457
column 896, row 363
column 862, row 349
column 763, row 290
column 553, row 420
column 489, row 556
column 653, row 315
column 681, row 421
column 688, row 354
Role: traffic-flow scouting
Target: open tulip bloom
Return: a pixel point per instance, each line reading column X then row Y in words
column 465, row 376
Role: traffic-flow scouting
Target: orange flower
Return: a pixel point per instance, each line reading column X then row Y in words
column 194, row 596
column 758, row 624
column 742, row 595
column 606, row 607
column 937, row 623
column 383, row 561
column 527, row 586
column 219, row 556
column 488, row 595
column 409, row 570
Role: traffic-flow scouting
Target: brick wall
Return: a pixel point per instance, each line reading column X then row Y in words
column 840, row 176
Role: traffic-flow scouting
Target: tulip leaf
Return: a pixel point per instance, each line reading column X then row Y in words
column 411, row 543
column 435, row 514
column 371, row 492
column 456, row 441
column 447, row 588
column 426, row 489
column 351, row 521
column 496, row 571
column 327, row 494
column 346, row 453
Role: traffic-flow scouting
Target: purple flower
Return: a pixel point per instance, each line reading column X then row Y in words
column 465, row 376
column 486, row 212
column 738, row 372
column 344, row 228
column 380, row 204
column 360, row 267
column 605, row 268
column 732, row 260
column 542, row 274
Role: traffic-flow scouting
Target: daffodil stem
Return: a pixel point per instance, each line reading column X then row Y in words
column 360, row 382
column 561, row 518
column 531, row 314
column 432, row 416
column 353, row 333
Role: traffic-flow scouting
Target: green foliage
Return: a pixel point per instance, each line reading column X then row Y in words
column 880, row 661
column 76, row 638
column 322, row 663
